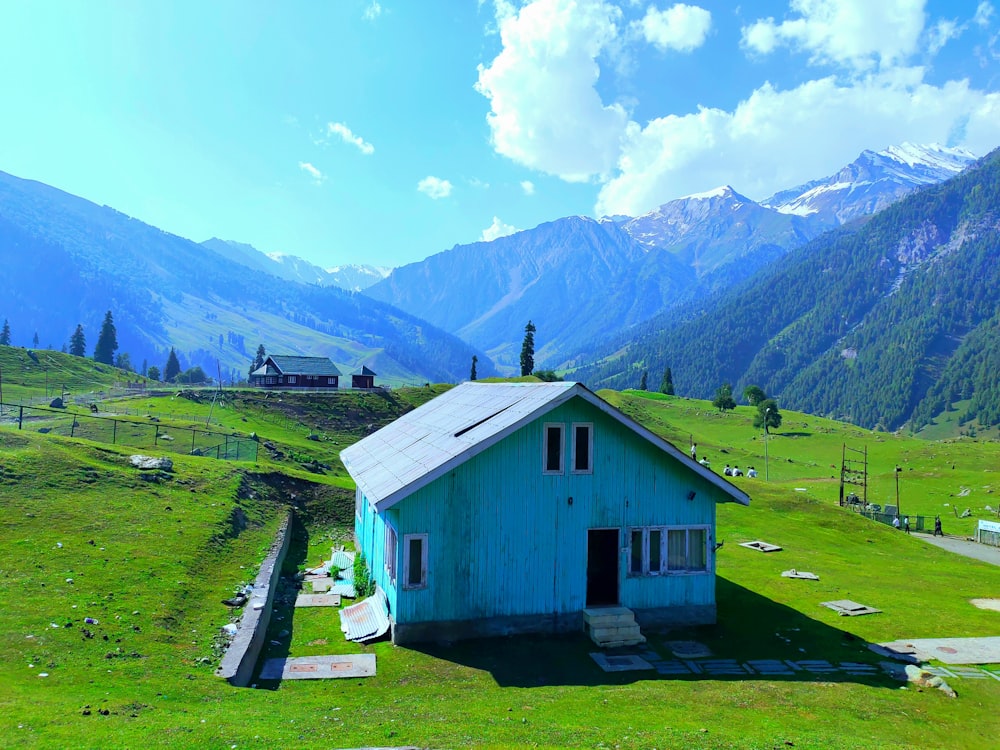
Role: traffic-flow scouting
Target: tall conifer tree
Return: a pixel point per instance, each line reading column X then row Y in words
column 107, row 341
column 528, row 350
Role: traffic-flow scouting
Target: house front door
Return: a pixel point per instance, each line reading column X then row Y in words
column 602, row 567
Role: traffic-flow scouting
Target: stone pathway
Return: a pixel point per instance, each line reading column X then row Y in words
column 648, row 659
column 317, row 600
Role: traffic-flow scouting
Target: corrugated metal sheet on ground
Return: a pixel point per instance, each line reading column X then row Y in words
column 367, row 619
column 344, row 562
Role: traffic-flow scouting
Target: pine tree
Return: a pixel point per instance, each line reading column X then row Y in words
column 642, row 380
column 107, row 341
column 528, row 350
column 5, row 333
column 667, row 386
column 472, row 372
column 258, row 361
column 34, row 340
column 173, row 367
column 78, row 342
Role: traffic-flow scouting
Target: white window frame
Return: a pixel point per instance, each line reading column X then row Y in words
column 407, row 562
column 664, row 568
column 545, row 448
column 290, row 379
column 331, row 381
column 389, row 553
column 590, row 448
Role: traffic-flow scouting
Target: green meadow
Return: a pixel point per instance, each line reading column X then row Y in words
column 84, row 535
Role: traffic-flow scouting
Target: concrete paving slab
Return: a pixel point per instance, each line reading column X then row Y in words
column 321, row 585
column 688, row 649
column 847, row 608
column 951, row 650
column 624, row 663
column 793, row 573
column 761, row 546
column 319, row 667
column 317, row 600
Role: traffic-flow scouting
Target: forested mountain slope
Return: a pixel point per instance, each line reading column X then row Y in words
column 65, row 260
column 882, row 324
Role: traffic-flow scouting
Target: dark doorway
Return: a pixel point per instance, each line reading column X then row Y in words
column 602, row 567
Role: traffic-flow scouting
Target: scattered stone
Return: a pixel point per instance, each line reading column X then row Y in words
column 150, row 462
column 921, row 677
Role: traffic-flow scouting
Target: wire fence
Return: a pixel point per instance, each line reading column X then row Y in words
column 140, row 434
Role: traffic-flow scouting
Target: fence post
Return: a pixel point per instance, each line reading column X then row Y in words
column 156, row 434
column 20, row 417
column 114, row 432
column 192, row 440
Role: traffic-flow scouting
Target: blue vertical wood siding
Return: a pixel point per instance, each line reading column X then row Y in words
column 503, row 538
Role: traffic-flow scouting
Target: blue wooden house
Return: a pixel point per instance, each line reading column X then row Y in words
column 501, row 508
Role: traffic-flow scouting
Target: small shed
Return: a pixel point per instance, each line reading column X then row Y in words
column 500, row 508
column 363, row 379
column 286, row 371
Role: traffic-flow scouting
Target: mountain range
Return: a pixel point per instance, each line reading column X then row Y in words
column 66, row 261
column 582, row 280
column 351, row 277
column 888, row 322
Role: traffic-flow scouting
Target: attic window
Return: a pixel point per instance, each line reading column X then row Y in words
column 553, row 448
column 583, row 448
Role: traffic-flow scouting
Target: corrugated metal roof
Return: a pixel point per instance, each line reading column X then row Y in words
column 429, row 441
column 366, row 371
column 367, row 619
column 266, row 369
column 292, row 365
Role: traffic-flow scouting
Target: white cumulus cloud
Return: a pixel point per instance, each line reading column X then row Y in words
column 544, row 110
column 528, row 187
column 345, row 134
column 941, row 33
column 681, row 27
column 775, row 139
column 373, row 11
column 317, row 177
column 434, row 187
column 984, row 12
column 857, row 34
column 496, row 229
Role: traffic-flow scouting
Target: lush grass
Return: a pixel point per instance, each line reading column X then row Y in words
column 41, row 373
column 512, row 692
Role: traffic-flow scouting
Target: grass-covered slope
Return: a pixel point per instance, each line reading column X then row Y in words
column 157, row 583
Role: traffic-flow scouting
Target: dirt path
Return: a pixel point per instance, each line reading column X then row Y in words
column 959, row 546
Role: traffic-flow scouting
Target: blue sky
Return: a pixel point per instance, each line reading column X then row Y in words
column 355, row 131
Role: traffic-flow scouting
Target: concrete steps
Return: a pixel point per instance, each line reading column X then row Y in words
column 612, row 627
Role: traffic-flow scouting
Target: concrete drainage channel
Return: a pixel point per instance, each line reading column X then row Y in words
column 240, row 659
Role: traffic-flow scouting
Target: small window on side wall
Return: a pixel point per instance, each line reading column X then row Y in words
column 553, row 449
column 390, row 553
column 583, row 448
column 415, row 561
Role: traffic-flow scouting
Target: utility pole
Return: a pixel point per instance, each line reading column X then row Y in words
column 767, row 411
column 898, row 513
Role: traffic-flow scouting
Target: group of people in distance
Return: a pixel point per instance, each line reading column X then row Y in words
column 729, row 471
column 736, row 471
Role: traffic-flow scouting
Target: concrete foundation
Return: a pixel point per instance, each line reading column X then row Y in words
column 659, row 618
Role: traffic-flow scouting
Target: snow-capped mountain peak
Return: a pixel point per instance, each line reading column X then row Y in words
column 871, row 182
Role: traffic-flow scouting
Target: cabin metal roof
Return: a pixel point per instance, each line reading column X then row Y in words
column 365, row 371
column 292, row 365
column 430, row 441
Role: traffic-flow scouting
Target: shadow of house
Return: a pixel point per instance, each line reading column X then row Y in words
column 746, row 633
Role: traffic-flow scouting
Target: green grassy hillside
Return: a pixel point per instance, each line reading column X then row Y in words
column 39, row 373
column 81, row 535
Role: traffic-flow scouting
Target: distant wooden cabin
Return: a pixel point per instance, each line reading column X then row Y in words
column 500, row 508
column 282, row 371
column 363, row 379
